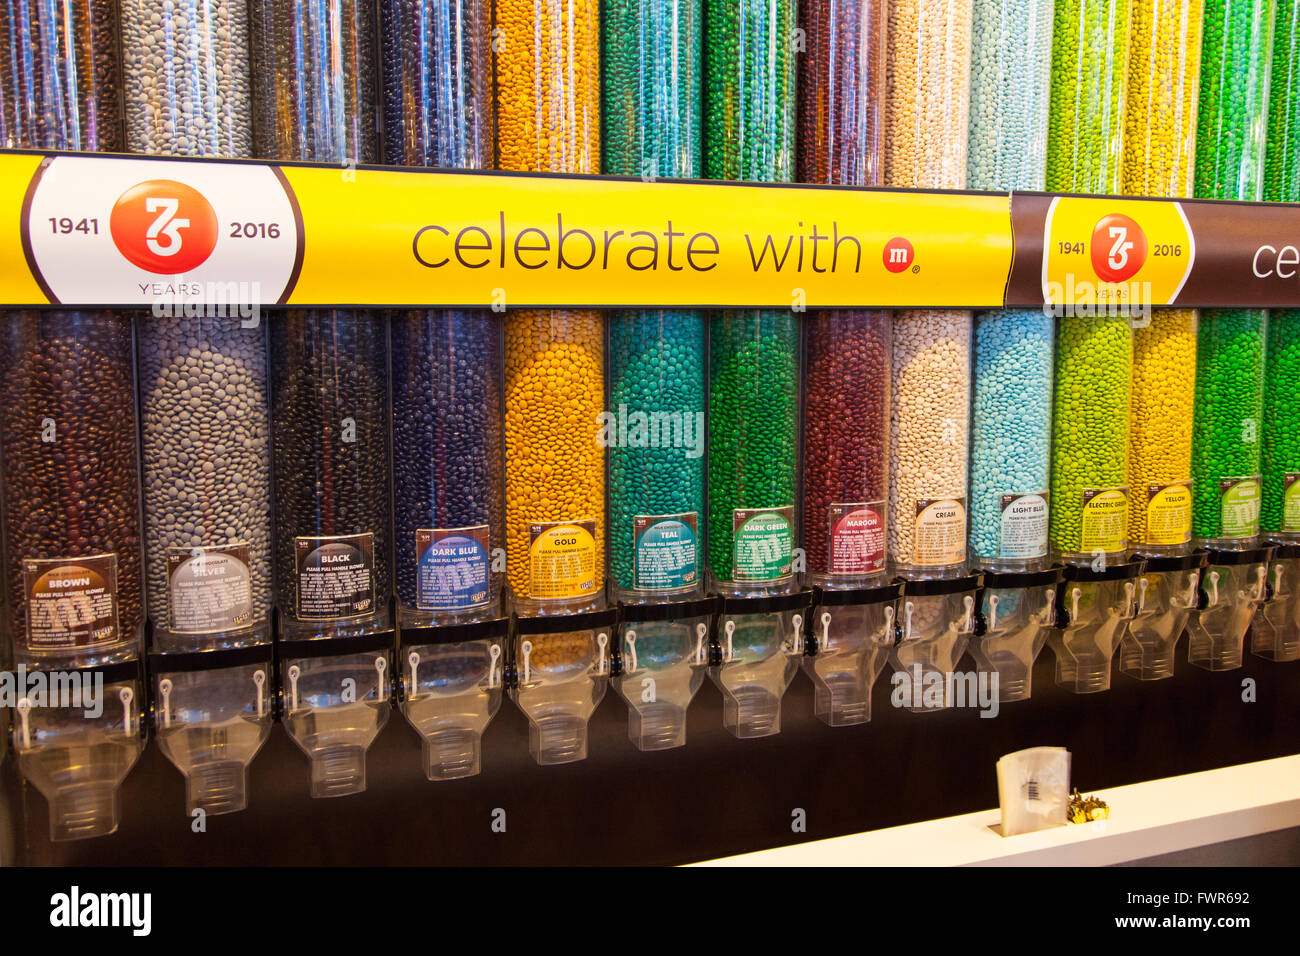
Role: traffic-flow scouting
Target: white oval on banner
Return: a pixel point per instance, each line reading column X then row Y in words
column 151, row 232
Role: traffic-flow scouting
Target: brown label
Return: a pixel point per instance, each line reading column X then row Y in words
column 71, row 602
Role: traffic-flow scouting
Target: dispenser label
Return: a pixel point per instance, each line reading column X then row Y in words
column 1024, row 525
column 939, row 536
column 1291, row 502
column 1169, row 513
column 561, row 559
column 856, row 542
column 1239, row 500
column 71, row 602
column 762, row 543
column 451, row 568
column 666, row 552
column 209, row 588
column 1103, row 521
column 336, row 576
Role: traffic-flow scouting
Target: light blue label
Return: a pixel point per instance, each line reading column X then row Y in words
column 666, row 557
column 452, row 568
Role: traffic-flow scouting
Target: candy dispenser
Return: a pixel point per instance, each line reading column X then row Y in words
column 69, row 470
column 447, row 369
column 1159, row 143
column 927, row 107
column 205, row 427
column 655, row 438
column 749, row 113
column 1227, row 430
column 1011, row 410
column 1276, row 631
column 840, row 141
column 314, row 69
column 548, row 120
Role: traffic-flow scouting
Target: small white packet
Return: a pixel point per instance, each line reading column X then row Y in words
column 1034, row 789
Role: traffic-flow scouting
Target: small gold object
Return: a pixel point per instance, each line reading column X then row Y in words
column 1085, row 809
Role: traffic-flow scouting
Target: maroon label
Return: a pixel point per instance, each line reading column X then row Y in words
column 857, row 538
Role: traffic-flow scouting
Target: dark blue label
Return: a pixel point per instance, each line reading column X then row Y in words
column 452, row 568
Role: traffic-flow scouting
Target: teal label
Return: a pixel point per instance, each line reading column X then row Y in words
column 763, row 543
column 666, row 554
column 451, row 568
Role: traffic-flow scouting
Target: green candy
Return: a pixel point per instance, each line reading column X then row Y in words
column 1281, row 454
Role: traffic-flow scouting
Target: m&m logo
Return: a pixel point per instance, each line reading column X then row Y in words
column 164, row 227
column 1119, row 248
column 898, row 254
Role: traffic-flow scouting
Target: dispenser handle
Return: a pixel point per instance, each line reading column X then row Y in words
column 629, row 641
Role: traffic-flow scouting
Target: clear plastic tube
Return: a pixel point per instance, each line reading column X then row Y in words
column 205, row 425
column 1226, row 494
column 1231, row 127
column 1010, row 87
column 1090, row 55
column 1280, row 514
column 846, row 401
column 651, row 95
column 59, row 76
column 1159, row 146
column 1011, row 47
column 329, row 400
column 548, row 120
column 71, row 487
column 447, row 365
column 185, row 74
column 314, row 72
column 749, row 110
column 68, row 414
column 928, row 110
column 749, row 90
column 1231, row 130
column 1090, row 414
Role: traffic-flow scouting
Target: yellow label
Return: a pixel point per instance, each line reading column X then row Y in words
column 1104, row 525
column 16, row 282
column 407, row 238
column 1104, row 253
column 561, row 560
column 1169, row 514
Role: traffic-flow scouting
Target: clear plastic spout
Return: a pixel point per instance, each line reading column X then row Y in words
column 78, row 759
column 1275, row 634
column 1094, row 609
column 853, row 642
column 1165, row 599
column 211, row 724
column 664, row 663
column 1016, row 613
column 452, row 693
column 334, row 707
column 760, row 656
column 561, row 678
column 1233, row 587
column 935, row 621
